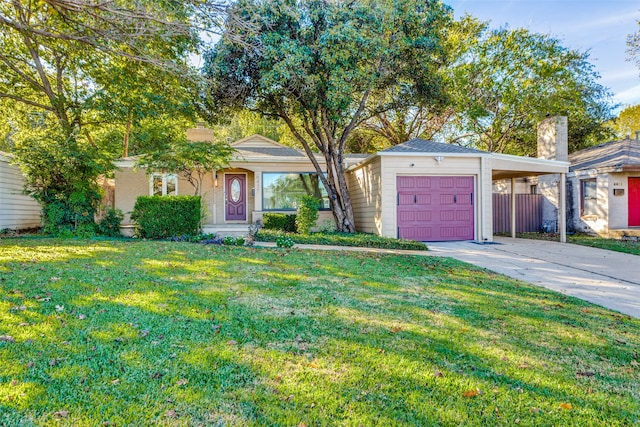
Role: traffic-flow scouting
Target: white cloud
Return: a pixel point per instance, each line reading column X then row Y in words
column 629, row 96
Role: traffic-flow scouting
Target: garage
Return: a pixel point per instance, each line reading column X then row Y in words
column 435, row 208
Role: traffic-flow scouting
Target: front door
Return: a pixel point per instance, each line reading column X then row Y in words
column 634, row 202
column 236, row 197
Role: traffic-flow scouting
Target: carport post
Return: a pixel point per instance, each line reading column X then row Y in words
column 562, row 208
column 513, row 208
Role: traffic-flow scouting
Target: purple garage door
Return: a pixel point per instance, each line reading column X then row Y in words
column 435, row 208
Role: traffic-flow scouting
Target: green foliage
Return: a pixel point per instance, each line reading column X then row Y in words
column 503, row 82
column 327, row 226
column 279, row 221
column 307, row 214
column 628, row 122
column 233, row 241
column 161, row 217
column 74, row 75
column 364, row 240
column 109, row 225
column 317, row 66
column 191, row 160
column 285, row 242
column 60, row 173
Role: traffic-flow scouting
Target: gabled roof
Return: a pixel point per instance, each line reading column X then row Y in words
column 419, row 146
column 615, row 156
column 260, row 147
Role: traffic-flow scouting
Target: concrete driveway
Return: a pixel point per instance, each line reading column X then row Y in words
column 607, row 278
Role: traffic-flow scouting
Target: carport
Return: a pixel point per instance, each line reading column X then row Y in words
column 552, row 175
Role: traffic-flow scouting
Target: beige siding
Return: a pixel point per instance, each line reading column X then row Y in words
column 17, row 211
column 364, row 187
column 131, row 183
column 393, row 166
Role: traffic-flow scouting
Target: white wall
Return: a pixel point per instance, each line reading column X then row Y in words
column 598, row 223
column 17, row 211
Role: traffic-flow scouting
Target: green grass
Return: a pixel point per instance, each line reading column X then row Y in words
column 365, row 240
column 625, row 246
column 180, row 334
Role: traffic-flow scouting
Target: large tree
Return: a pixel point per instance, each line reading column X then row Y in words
column 66, row 61
column 628, row 122
column 500, row 84
column 510, row 79
column 317, row 65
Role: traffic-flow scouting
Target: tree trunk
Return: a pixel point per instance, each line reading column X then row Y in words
column 125, row 142
column 343, row 212
column 335, row 183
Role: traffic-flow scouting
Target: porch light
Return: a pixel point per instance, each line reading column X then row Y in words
column 438, row 159
column 215, row 179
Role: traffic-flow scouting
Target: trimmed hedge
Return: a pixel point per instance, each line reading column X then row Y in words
column 365, row 240
column 280, row 221
column 161, row 217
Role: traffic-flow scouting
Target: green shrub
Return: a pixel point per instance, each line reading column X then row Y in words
column 233, row 241
column 110, row 223
column 327, row 226
column 365, row 240
column 307, row 214
column 284, row 242
column 159, row 217
column 279, row 221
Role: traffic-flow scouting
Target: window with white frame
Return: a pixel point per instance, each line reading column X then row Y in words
column 283, row 190
column 163, row 184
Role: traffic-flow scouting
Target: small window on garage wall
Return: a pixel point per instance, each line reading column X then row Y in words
column 588, row 197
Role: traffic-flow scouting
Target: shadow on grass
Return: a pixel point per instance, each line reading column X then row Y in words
column 165, row 333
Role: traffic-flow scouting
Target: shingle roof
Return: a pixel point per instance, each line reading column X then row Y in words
column 269, row 152
column 615, row 154
column 423, row 146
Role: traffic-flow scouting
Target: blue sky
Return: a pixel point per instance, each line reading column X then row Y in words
column 598, row 26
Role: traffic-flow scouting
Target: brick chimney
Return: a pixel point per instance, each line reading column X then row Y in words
column 553, row 139
column 200, row 133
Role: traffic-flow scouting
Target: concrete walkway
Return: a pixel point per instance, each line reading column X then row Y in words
column 610, row 279
column 607, row 278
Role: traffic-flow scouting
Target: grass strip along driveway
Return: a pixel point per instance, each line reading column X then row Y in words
column 161, row 333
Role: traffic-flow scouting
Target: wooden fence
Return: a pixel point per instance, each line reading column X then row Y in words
column 528, row 213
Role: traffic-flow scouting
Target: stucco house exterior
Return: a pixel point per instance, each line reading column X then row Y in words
column 603, row 189
column 17, row 210
column 419, row 190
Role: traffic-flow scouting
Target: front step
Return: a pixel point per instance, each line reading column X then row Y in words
column 239, row 230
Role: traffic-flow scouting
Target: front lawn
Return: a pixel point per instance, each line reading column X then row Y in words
column 181, row 334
